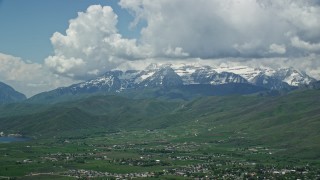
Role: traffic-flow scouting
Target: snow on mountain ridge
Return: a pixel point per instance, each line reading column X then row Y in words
column 294, row 77
column 287, row 75
column 164, row 75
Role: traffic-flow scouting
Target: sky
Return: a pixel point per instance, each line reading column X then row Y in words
column 54, row 43
column 26, row 26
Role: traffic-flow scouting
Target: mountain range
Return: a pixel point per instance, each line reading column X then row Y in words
column 173, row 81
column 190, row 78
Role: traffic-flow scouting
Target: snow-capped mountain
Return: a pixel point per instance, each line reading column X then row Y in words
column 270, row 78
column 177, row 75
column 108, row 82
column 197, row 74
column 165, row 77
column 293, row 77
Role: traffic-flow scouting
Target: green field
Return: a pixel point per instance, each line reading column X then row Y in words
column 226, row 137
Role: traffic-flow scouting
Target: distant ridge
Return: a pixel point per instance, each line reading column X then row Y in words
column 183, row 76
column 9, row 95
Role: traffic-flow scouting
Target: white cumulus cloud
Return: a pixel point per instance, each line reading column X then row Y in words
column 92, row 45
column 29, row 78
column 228, row 28
column 186, row 29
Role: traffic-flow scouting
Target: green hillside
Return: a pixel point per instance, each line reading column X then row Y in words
column 289, row 121
column 183, row 92
column 221, row 137
column 94, row 112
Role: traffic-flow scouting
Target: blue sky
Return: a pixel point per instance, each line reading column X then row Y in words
column 45, row 44
column 27, row 25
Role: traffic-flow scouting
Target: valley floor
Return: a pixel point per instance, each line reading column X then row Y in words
column 110, row 137
column 157, row 154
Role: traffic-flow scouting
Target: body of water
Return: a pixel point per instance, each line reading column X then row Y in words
column 12, row 139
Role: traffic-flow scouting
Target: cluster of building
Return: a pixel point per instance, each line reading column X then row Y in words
column 81, row 173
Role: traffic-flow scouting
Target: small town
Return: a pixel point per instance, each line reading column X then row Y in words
column 167, row 159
